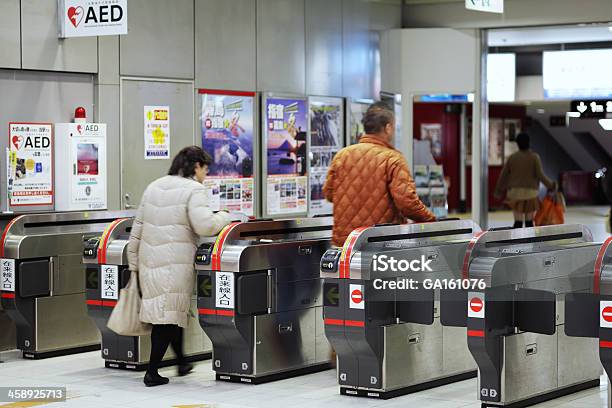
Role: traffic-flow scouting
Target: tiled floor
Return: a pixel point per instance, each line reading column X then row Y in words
column 90, row 385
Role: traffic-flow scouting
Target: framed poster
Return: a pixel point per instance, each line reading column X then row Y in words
column 30, row 177
column 227, row 123
column 432, row 133
column 496, row 142
column 326, row 139
column 356, row 108
column 285, row 125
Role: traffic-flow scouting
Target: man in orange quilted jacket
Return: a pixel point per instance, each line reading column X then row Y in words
column 370, row 183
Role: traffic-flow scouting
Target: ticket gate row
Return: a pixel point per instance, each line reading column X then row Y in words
column 107, row 272
column 391, row 342
column 43, row 284
column 260, row 301
column 516, row 326
column 8, row 332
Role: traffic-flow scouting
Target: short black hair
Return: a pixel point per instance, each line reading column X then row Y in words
column 522, row 140
column 378, row 115
column 185, row 161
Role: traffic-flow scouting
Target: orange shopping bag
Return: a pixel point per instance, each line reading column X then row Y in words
column 552, row 210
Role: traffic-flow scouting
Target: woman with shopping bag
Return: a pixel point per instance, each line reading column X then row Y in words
column 520, row 181
column 172, row 214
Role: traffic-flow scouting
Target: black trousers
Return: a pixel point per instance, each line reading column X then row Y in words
column 162, row 336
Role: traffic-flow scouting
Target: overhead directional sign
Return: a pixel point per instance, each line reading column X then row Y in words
column 597, row 108
column 489, row 6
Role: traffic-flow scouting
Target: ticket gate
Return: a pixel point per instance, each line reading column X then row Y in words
column 8, row 332
column 391, row 342
column 259, row 299
column 43, row 285
column 516, row 325
column 107, row 272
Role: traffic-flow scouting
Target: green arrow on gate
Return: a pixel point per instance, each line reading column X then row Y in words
column 332, row 295
column 206, row 286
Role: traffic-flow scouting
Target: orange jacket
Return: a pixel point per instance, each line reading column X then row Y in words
column 370, row 183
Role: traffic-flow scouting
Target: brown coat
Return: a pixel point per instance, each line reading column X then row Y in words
column 523, row 169
column 370, row 183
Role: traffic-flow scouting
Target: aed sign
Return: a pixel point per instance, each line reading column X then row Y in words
column 89, row 18
column 490, row 6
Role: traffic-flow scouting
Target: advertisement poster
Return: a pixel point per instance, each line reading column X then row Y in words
column 356, row 112
column 31, row 146
column 326, row 139
column 286, row 122
column 432, row 133
column 156, row 132
column 228, row 136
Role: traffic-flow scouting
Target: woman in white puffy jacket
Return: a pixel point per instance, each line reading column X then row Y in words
column 172, row 214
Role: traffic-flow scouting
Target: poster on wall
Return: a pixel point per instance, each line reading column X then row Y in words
column 31, row 155
column 432, row 132
column 356, row 110
column 286, row 124
column 326, row 139
column 80, row 166
column 156, row 132
column 496, row 142
column 512, row 127
column 227, row 124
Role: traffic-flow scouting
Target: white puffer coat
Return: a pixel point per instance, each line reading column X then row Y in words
column 163, row 242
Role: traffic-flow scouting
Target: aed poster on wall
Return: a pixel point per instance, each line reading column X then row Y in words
column 156, row 132
column 227, row 123
column 326, row 139
column 286, row 124
column 30, row 177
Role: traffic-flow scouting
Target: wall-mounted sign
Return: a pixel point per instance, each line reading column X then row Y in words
column 89, row 18
column 592, row 108
column 490, row 6
column 227, row 123
column 31, row 145
column 156, row 132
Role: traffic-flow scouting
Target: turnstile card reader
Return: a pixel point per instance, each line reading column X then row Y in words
column 259, row 299
column 107, row 272
column 43, row 288
column 391, row 342
column 516, row 324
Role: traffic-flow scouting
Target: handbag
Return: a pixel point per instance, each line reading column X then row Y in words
column 551, row 211
column 125, row 318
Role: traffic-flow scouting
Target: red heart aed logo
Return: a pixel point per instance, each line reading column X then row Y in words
column 75, row 15
column 17, row 141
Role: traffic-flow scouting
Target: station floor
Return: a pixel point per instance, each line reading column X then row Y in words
column 90, row 385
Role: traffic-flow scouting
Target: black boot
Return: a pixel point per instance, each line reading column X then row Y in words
column 528, row 224
column 518, row 224
column 184, row 369
column 153, row 380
